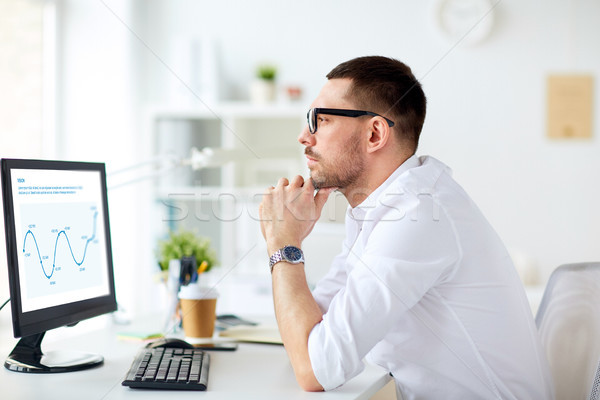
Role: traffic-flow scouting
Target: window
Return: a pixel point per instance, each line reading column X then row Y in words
column 24, row 61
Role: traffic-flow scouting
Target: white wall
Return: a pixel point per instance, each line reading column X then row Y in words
column 486, row 116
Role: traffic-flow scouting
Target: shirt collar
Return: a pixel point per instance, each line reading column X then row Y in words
column 358, row 213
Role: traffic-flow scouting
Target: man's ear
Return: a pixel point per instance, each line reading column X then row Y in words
column 379, row 134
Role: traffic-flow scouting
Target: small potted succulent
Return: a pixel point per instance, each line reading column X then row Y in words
column 263, row 87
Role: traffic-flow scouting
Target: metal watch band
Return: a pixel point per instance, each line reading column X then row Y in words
column 279, row 255
column 275, row 258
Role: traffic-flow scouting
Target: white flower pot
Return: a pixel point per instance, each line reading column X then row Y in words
column 262, row 91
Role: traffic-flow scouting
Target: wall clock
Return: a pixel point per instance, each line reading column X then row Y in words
column 468, row 21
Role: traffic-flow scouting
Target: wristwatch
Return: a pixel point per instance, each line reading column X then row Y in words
column 291, row 254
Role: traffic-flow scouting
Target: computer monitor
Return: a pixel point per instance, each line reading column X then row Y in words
column 59, row 256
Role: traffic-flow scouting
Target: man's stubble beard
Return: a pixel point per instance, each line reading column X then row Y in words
column 343, row 172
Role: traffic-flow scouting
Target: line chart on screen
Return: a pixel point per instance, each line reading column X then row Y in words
column 60, row 247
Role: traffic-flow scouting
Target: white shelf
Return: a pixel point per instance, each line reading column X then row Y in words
column 222, row 202
column 211, row 192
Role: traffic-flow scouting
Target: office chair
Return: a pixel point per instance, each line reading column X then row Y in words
column 568, row 321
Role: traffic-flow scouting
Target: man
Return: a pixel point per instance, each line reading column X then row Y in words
column 423, row 286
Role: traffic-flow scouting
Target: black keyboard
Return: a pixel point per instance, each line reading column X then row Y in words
column 169, row 368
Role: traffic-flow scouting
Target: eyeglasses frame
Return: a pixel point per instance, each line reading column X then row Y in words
column 342, row 113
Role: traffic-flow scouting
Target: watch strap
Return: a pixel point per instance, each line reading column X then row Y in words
column 275, row 258
column 280, row 256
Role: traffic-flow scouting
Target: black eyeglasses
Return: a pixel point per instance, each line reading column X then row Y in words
column 311, row 116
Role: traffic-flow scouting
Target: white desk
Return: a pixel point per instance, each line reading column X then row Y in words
column 254, row 371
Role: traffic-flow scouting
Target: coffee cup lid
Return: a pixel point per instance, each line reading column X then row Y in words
column 197, row 292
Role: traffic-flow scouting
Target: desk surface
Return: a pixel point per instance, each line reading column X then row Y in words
column 254, row 371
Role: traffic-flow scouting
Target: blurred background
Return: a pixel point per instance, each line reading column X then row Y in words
column 130, row 81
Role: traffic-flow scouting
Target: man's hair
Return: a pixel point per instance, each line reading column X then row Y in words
column 388, row 87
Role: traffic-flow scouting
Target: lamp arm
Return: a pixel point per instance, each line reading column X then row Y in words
column 155, row 166
column 206, row 158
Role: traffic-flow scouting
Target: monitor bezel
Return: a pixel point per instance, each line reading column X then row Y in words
column 41, row 320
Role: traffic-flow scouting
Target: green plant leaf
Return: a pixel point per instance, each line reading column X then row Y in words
column 266, row 72
column 185, row 243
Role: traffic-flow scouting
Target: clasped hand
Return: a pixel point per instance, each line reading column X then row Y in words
column 289, row 211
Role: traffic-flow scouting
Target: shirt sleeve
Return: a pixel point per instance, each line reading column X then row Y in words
column 401, row 261
column 331, row 283
column 335, row 278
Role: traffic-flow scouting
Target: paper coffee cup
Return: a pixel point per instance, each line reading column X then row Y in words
column 198, row 310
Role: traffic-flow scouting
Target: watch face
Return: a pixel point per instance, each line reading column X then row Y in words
column 292, row 253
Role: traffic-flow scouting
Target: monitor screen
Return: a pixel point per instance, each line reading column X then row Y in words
column 58, row 243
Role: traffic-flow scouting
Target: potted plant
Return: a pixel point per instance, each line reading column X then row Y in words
column 185, row 244
column 182, row 257
column 263, row 87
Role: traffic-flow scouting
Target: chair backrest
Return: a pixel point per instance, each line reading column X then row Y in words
column 568, row 321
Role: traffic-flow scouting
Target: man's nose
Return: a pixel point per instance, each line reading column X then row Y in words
column 306, row 138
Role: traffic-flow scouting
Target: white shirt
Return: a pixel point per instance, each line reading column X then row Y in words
column 425, row 288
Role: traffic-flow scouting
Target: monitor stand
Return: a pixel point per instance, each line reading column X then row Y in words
column 27, row 356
